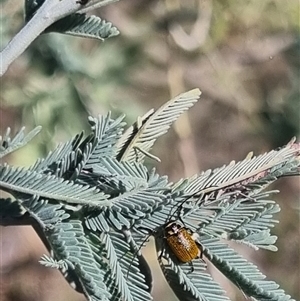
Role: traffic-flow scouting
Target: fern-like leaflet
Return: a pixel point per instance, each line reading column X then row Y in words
column 92, row 199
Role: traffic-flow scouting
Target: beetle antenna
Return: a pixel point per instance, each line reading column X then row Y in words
column 180, row 207
column 134, row 246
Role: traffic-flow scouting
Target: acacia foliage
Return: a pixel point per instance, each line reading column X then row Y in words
column 96, row 201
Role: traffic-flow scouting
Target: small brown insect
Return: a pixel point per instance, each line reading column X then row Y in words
column 182, row 242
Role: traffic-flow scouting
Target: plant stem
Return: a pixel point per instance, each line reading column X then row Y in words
column 47, row 14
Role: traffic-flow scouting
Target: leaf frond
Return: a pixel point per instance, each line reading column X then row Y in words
column 96, row 204
column 107, row 132
column 237, row 219
column 188, row 286
column 243, row 273
column 251, row 169
column 69, row 244
column 146, row 130
column 51, row 163
column 85, row 26
column 50, row 262
column 110, row 172
column 9, row 144
column 47, row 215
column 19, row 181
column 123, row 277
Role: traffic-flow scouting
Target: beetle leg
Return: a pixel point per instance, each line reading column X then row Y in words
column 161, row 254
column 192, row 267
column 201, row 254
column 200, row 247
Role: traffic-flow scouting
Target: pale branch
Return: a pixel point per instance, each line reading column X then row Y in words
column 49, row 12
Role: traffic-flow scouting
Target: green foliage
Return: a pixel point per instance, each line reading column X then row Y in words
column 96, row 203
column 8, row 145
column 140, row 137
column 85, row 26
column 77, row 24
column 94, row 200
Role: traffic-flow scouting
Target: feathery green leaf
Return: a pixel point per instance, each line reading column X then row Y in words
column 143, row 134
column 84, row 26
column 8, row 144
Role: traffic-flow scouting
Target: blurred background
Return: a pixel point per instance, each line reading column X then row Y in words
column 243, row 55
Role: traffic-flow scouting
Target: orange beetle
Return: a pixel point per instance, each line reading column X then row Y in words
column 182, row 242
